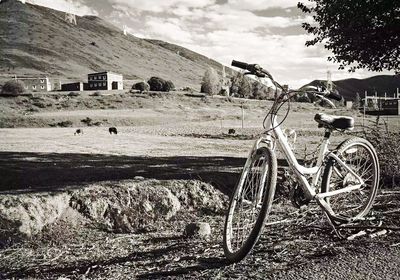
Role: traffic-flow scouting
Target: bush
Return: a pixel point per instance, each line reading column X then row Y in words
column 211, row 83
column 387, row 146
column 12, row 88
column 169, row 85
column 141, row 86
column 73, row 94
column 303, row 98
column 64, row 124
column 158, row 84
column 88, row 121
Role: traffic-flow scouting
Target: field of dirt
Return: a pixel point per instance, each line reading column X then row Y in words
column 101, row 206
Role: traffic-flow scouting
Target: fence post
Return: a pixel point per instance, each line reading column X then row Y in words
column 242, row 116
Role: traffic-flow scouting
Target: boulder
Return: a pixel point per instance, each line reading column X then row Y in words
column 198, row 229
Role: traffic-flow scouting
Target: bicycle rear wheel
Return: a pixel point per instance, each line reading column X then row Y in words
column 250, row 204
column 361, row 157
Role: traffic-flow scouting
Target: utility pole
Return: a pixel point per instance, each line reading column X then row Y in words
column 365, row 105
column 242, row 116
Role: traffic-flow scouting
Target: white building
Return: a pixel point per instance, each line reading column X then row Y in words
column 36, row 83
column 105, row 81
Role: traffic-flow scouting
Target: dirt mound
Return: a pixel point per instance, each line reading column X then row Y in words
column 123, row 206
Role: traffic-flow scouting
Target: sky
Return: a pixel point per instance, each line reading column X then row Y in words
column 266, row 32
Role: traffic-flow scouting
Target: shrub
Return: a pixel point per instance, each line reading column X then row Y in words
column 210, row 83
column 303, row 98
column 387, row 146
column 158, row 84
column 169, row 85
column 64, row 124
column 141, row 86
column 12, row 88
column 88, row 121
column 73, row 94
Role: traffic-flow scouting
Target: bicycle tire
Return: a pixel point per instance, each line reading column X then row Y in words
column 266, row 185
column 362, row 152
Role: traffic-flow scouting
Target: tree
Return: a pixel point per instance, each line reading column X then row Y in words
column 356, row 101
column 211, row 83
column 360, row 34
column 259, row 91
column 241, row 86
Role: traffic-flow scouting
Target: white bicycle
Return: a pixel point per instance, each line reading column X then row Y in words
column 344, row 182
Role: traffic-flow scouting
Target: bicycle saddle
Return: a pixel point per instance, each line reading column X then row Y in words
column 338, row 122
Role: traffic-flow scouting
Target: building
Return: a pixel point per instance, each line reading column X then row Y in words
column 36, row 83
column 391, row 106
column 349, row 104
column 78, row 86
column 105, row 81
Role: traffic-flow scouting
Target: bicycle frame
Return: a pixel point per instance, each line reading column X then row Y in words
column 274, row 132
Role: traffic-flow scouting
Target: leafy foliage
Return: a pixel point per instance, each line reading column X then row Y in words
column 360, row 34
column 159, row 84
column 356, row 101
column 12, row 88
column 241, row 86
column 386, row 143
column 211, row 83
column 141, row 86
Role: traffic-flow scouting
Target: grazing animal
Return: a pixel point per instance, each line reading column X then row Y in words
column 113, row 130
column 78, row 131
column 231, row 131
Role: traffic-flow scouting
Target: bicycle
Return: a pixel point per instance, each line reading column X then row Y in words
column 343, row 182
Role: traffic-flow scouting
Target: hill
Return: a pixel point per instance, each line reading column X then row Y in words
column 37, row 40
column 380, row 84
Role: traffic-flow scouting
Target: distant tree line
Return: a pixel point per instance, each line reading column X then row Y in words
column 238, row 85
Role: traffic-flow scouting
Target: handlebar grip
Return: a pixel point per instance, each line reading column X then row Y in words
column 334, row 95
column 239, row 64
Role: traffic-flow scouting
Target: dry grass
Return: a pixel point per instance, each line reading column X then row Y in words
column 386, row 143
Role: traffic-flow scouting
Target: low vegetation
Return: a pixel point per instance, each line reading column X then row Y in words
column 159, row 84
column 141, row 86
column 386, row 143
column 12, row 88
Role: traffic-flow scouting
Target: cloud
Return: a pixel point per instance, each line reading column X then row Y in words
column 161, row 6
column 261, row 4
column 74, row 7
column 267, row 32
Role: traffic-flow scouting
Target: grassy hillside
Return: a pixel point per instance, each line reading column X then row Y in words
column 35, row 39
column 380, row 84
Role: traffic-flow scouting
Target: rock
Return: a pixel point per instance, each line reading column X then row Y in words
column 199, row 229
column 23, row 216
column 138, row 178
column 122, row 206
column 127, row 208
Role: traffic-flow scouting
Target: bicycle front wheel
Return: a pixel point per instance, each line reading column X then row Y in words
column 250, row 204
column 360, row 156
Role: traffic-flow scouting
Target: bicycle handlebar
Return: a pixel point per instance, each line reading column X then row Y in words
column 257, row 70
column 254, row 69
column 240, row 64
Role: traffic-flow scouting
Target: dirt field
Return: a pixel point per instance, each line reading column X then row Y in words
column 170, row 139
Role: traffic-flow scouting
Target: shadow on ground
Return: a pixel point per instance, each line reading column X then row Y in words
column 36, row 172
